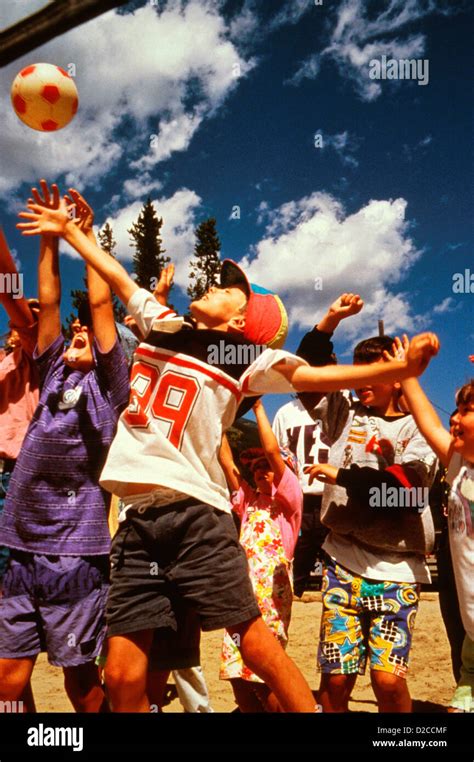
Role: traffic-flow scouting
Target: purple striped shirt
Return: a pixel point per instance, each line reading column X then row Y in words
column 54, row 503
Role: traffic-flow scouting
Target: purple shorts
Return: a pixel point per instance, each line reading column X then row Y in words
column 54, row 604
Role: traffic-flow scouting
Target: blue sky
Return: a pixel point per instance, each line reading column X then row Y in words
column 206, row 105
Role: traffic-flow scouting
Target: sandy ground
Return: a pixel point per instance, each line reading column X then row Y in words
column 430, row 679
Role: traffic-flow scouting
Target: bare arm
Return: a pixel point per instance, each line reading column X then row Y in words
column 49, row 293
column 344, row 306
column 331, row 378
column 18, row 310
column 427, row 420
column 229, row 466
column 269, row 442
column 100, row 298
column 106, row 266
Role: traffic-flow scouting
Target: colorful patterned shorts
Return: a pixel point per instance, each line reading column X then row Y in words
column 360, row 614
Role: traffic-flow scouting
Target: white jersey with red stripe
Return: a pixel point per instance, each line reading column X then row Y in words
column 180, row 404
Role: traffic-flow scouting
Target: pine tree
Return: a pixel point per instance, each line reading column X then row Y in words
column 149, row 259
column 108, row 243
column 206, row 267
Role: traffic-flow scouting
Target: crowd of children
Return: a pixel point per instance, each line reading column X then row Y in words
column 340, row 480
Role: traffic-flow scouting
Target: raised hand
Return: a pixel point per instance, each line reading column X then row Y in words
column 83, row 211
column 323, row 472
column 44, row 220
column 421, row 349
column 399, row 349
column 50, row 198
column 163, row 287
column 346, row 305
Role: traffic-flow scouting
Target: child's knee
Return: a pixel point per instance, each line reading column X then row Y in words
column 339, row 686
column 388, row 684
column 123, row 676
column 13, row 679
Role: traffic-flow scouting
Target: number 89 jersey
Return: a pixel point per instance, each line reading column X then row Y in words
column 186, row 387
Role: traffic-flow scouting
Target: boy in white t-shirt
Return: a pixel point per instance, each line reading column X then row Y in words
column 376, row 505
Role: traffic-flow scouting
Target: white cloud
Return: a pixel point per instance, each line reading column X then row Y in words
column 179, row 71
column 244, row 26
column 369, row 252
column 140, row 187
column 344, row 144
column 447, row 305
column 179, row 222
column 291, row 12
column 358, row 37
column 419, row 148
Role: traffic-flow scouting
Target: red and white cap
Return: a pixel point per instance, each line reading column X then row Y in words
column 266, row 321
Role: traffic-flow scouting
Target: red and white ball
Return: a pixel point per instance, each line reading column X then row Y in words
column 44, row 97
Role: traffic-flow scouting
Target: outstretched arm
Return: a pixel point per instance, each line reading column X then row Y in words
column 269, row 442
column 58, row 222
column 421, row 408
column 100, row 298
column 49, row 281
column 343, row 307
column 18, row 310
column 427, row 420
column 331, row 378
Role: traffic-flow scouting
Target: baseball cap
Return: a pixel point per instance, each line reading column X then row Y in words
column 266, row 321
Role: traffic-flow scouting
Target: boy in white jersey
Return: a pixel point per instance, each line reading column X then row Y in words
column 178, row 542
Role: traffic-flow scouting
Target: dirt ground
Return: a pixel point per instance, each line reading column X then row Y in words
column 430, row 679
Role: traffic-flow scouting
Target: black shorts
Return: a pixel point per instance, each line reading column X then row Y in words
column 177, row 649
column 182, row 555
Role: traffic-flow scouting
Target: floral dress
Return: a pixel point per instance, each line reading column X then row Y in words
column 271, row 577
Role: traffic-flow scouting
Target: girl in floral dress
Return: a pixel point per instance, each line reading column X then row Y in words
column 270, row 518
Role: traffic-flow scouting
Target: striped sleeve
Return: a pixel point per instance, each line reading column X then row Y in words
column 261, row 378
column 145, row 308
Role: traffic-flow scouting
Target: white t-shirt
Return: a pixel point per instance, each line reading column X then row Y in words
column 180, row 405
column 383, row 565
column 460, row 477
column 299, row 432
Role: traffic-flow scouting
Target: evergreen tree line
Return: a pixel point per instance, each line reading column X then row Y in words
column 149, row 258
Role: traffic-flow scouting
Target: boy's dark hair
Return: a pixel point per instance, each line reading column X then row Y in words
column 371, row 350
column 465, row 395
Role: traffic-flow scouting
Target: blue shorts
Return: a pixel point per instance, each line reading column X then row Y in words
column 54, row 604
column 364, row 617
